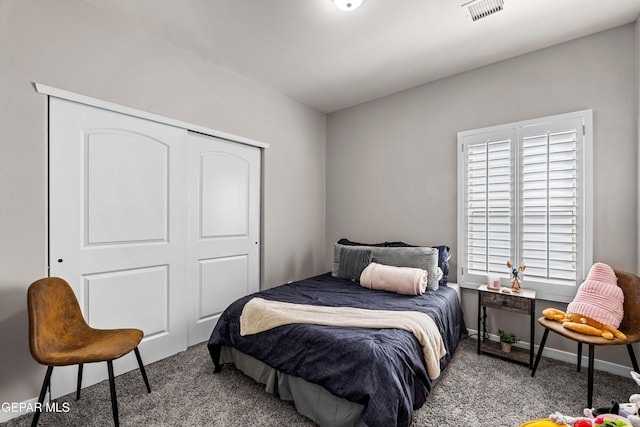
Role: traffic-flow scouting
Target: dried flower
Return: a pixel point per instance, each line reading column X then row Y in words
column 516, row 271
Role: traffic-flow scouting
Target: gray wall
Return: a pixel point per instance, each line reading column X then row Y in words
column 391, row 162
column 73, row 46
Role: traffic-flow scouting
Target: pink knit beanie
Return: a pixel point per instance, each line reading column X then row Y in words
column 600, row 297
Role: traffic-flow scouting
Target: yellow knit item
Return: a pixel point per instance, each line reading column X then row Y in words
column 543, row 422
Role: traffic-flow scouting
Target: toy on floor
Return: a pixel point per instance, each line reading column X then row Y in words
column 618, row 415
column 622, row 409
column 597, row 308
column 558, row 418
column 543, row 422
column 611, row 420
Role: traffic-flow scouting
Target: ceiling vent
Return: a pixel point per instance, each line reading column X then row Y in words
column 478, row 9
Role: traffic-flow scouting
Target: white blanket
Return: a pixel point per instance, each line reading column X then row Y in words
column 260, row 315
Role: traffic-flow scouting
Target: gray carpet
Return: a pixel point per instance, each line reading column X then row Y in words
column 474, row 391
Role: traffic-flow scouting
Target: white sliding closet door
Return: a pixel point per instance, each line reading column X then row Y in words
column 117, row 227
column 223, row 228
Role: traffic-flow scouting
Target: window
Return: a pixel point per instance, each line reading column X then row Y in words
column 524, row 194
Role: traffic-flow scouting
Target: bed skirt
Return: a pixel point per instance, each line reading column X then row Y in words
column 311, row 400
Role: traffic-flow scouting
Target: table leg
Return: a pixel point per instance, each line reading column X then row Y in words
column 532, row 332
column 479, row 321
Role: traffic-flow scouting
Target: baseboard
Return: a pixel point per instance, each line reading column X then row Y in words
column 569, row 357
column 11, row 410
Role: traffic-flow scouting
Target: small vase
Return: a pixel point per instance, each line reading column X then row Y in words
column 506, row 347
column 515, row 285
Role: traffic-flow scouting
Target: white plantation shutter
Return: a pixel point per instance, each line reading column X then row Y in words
column 489, row 197
column 524, row 193
column 550, row 201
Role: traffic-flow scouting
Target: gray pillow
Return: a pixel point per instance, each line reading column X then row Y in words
column 424, row 257
column 352, row 262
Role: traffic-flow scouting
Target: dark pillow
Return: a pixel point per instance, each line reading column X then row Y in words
column 348, row 242
column 352, row 262
column 443, row 254
column 443, row 263
column 399, row 245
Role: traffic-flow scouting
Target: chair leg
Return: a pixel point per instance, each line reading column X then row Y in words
column 43, row 390
column 540, row 348
column 579, row 361
column 632, row 356
column 114, row 401
column 590, row 376
column 142, row 371
column 80, row 365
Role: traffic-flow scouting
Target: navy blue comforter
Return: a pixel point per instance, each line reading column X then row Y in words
column 381, row 369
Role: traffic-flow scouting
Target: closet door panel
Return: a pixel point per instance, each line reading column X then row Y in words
column 117, row 226
column 223, row 228
column 146, row 303
column 117, row 183
column 213, row 294
column 225, row 194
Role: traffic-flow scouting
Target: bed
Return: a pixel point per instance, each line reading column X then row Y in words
column 345, row 376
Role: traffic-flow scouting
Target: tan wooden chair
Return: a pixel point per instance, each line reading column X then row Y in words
column 59, row 336
column 630, row 326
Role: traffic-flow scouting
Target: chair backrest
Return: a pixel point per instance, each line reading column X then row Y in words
column 55, row 320
column 630, row 284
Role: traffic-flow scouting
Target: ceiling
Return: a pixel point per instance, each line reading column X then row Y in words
column 330, row 60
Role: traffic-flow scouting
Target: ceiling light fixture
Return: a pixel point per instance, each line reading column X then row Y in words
column 347, row 5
